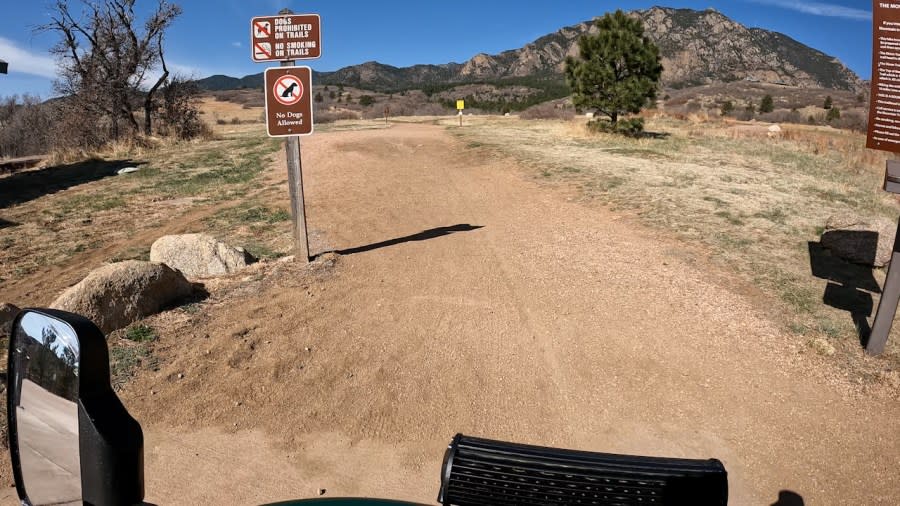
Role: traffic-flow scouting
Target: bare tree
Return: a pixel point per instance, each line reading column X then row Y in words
column 105, row 58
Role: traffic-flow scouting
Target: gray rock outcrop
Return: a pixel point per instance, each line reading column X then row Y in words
column 118, row 294
column 867, row 241
column 199, row 255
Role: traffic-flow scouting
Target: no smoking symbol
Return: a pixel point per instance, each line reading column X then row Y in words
column 288, row 90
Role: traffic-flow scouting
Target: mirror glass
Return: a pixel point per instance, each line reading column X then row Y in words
column 44, row 390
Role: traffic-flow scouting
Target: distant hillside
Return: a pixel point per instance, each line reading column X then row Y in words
column 698, row 47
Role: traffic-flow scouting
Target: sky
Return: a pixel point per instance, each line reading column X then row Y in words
column 212, row 37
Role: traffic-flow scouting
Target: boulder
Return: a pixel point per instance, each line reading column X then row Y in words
column 118, row 294
column 8, row 313
column 867, row 241
column 199, row 255
column 774, row 132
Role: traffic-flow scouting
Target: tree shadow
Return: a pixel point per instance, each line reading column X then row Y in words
column 653, row 135
column 789, row 498
column 7, row 224
column 421, row 236
column 850, row 286
column 25, row 186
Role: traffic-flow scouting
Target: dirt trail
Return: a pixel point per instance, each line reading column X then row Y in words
column 553, row 322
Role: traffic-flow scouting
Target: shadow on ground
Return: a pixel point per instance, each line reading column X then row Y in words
column 850, row 286
column 7, row 224
column 25, row 186
column 421, row 236
column 788, row 498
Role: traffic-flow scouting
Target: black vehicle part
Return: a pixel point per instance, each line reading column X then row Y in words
column 484, row 472
column 111, row 442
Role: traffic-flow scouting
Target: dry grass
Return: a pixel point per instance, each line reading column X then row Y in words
column 752, row 201
column 57, row 223
column 217, row 111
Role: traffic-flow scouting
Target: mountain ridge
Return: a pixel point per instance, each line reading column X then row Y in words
column 697, row 47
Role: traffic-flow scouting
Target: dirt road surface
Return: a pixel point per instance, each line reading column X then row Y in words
column 469, row 298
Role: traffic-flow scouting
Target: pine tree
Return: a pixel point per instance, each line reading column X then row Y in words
column 828, row 103
column 617, row 70
column 319, row 98
column 767, row 104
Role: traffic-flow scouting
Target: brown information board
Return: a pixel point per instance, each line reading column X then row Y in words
column 289, row 101
column 288, row 37
column 884, row 110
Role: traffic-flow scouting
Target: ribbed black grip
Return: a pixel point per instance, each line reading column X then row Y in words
column 483, row 472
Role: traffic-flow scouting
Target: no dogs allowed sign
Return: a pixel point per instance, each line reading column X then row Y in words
column 288, row 101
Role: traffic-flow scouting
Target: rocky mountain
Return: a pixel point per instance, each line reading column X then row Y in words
column 697, row 47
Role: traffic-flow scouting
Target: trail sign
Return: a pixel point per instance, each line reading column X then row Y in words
column 287, row 37
column 884, row 134
column 288, row 101
column 460, row 105
column 884, row 109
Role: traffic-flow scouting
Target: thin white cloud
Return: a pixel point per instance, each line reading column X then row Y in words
column 26, row 62
column 820, row 9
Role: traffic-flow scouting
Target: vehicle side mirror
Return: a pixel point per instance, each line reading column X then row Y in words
column 70, row 438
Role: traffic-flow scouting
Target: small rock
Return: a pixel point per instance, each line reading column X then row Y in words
column 8, row 313
column 127, row 170
column 322, row 491
column 180, row 376
column 823, row 347
column 307, row 349
column 237, row 403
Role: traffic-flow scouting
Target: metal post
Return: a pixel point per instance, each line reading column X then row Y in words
column 887, row 306
column 295, row 186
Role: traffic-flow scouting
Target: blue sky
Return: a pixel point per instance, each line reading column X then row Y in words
column 211, row 37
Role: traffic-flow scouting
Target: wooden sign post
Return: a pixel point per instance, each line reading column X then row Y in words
column 288, row 91
column 884, row 134
column 460, row 105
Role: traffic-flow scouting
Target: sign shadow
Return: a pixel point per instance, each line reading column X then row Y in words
column 421, row 236
column 850, row 286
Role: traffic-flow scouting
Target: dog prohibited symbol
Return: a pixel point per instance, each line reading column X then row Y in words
column 288, row 90
column 262, row 29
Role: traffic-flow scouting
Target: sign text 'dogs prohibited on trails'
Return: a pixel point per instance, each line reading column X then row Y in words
column 287, row 37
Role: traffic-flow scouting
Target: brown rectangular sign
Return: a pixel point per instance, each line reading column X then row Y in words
column 289, row 101
column 884, row 109
column 288, row 37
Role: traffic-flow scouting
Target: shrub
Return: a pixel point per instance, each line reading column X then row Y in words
column 727, row 108
column 332, row 116
column 366, row 100
column 767, row 104
column 833, row 114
